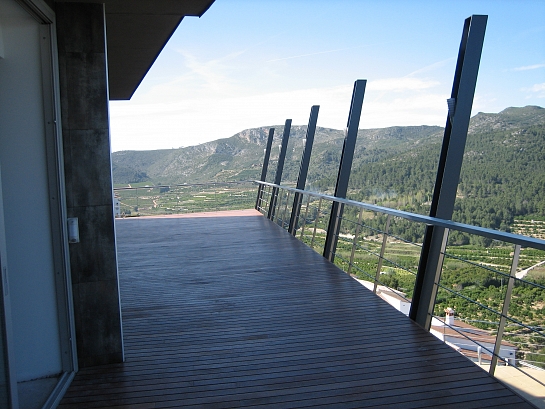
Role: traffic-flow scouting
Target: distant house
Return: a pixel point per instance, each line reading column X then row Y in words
column 475, row 343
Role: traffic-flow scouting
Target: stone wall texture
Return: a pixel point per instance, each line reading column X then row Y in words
column 86, row 147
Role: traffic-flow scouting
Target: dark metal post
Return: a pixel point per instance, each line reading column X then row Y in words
column 303, row 168
column 280, row 167
column 450, row 164
column 505, row 311
column 265, row 167
column 345, row 167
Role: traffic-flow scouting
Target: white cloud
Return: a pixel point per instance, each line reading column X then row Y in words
column 537, row 90
column 401, row 84
column 529, row 67
column 316, row 53
column 433, row 67
column 148, row 123
column 201, row 118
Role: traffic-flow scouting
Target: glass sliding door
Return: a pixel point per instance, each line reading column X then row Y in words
column 37, row 328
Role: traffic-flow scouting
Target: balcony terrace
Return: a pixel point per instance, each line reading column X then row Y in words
column 230, row 310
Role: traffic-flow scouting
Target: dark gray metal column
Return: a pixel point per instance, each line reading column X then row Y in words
column 280, row 167
column 265, row 167
column 303, row 168
column 345, row 167
column 450, row 165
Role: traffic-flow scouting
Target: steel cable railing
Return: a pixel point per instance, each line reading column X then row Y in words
column 388, row 256
column 183, row 198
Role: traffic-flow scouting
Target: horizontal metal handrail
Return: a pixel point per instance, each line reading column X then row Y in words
column 344, row 244
column 524, row 241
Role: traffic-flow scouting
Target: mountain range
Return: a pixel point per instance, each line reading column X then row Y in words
column 240, row 157
column 503, row 174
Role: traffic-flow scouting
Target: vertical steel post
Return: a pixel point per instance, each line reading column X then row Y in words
column 382, row 251
column 316, row 223
column 305, row 222
column 450, row 164
column 283, row 222
column 505, row 310
column 345, row 166
column 303, row 168
column 278, row 206
column 267, row 190
column 355, row 242
column 280, row 167
column 264, row 168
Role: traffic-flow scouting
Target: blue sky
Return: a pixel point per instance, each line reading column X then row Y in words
column 250, row 63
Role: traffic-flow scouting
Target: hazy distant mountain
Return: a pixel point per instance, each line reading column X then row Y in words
column 503, row 174
column 240, row 157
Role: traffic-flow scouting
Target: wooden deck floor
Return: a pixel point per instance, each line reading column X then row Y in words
column 223, row 312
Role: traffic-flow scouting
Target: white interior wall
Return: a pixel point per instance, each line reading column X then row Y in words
column 25, row 198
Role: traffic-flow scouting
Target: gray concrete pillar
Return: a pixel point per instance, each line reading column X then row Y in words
column 87, row 161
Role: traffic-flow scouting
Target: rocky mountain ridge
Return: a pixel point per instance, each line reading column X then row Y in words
column 241, row 156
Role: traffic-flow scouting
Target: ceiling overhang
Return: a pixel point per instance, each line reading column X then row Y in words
column 137, row 31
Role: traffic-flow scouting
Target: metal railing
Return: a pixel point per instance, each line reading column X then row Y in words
column 183, row 198
column 484, row 275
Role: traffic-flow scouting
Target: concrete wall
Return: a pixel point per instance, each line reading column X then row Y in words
column 86, row 136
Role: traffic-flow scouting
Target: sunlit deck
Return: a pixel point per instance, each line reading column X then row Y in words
column 227, row 311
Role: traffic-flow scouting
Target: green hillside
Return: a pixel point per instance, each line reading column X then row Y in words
column 503, row 174
column 240, row 157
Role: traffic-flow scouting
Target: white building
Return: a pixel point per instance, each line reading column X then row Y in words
column 470, row 341
column 475, row 343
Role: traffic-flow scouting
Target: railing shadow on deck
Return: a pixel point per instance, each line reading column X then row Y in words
column 483, row 293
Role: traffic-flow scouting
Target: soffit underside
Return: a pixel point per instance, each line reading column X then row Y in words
column 137, row 31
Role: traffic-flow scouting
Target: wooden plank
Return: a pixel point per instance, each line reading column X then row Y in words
column 234, row 312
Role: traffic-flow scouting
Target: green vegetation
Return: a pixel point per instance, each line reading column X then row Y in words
column 241, row 156
column 161, row 200
column 502, row 179
column 474, row 277
column 502, row 186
